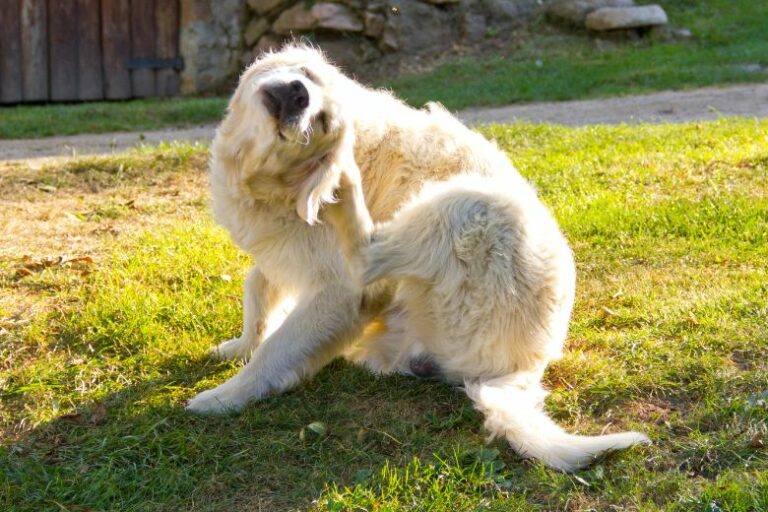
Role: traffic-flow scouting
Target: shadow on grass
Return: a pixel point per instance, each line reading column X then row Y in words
column 137, row 449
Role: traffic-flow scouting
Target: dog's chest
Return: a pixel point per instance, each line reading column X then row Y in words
column 286, row 250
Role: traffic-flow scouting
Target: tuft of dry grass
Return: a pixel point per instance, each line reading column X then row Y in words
column 77, row 209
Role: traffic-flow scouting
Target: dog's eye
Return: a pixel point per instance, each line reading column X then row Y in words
column 323, row 118
column 309, row 74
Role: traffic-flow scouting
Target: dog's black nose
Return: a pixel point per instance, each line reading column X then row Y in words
column 286, row 101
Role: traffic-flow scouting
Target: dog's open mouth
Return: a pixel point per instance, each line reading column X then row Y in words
column 291, row 131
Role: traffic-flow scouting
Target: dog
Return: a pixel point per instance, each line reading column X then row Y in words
column 409, row 243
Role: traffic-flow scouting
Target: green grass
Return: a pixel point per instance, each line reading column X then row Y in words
column 31, row 121
column 669, row 225
column 729, row 36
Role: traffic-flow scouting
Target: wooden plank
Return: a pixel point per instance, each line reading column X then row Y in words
column 62, row 49
column 143, row 46
column 10, row 52
column 168, row 82
column 116, row 48
column 34, row 50
column 90, row 85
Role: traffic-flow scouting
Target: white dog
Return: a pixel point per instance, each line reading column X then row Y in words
column 472, row 279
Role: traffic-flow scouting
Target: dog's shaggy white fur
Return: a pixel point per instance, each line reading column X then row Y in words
column 466, row 274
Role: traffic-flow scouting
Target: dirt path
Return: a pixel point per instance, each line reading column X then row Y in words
column 92, row 144
column 661, row 107
column 700, row 104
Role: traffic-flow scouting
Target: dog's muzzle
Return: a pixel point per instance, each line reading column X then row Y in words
column 285, row 101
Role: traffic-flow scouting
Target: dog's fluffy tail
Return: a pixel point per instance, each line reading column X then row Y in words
column 515, row 412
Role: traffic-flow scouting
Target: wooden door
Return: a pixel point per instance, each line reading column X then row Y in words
column 79, row 50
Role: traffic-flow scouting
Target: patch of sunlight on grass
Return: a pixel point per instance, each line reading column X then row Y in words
column 669, row 336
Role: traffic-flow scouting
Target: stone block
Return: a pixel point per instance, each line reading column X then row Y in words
column 324, row 15
column 256, row 28
column 575, row 12
column 616, row 18
column 265, row 6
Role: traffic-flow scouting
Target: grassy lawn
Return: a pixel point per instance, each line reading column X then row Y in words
column 729, row 37
column 669, row 225
column 32, row 121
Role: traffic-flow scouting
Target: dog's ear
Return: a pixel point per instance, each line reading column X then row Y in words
column 318, row 188
column 320, row 184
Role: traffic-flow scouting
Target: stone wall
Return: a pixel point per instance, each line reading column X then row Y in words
column 370, row 38
column 211, row 43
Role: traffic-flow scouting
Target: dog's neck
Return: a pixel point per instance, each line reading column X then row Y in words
column 262, row 179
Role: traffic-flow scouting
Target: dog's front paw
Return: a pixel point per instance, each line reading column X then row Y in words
column 236, row 348
column 218, row 401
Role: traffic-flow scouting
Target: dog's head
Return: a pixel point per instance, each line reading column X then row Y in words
column 288, row 123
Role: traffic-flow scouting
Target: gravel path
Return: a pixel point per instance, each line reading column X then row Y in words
column 680, row 106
